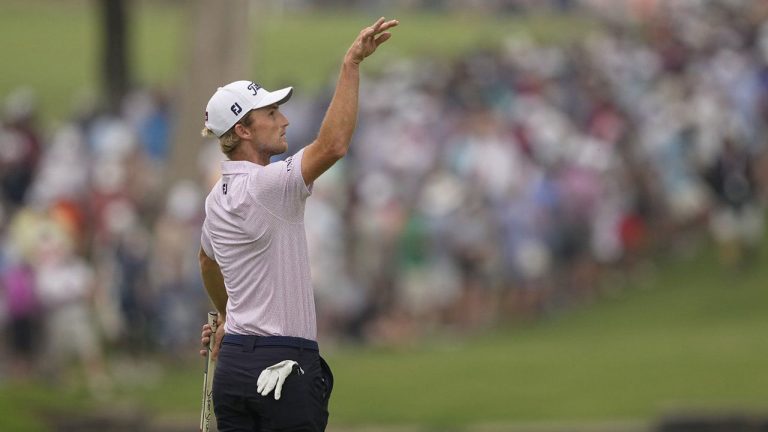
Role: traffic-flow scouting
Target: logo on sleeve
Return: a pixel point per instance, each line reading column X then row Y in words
column 236, row 109
column 288, row 163
column 224, row 188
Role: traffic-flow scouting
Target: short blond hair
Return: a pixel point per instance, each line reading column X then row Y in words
column 229, row 141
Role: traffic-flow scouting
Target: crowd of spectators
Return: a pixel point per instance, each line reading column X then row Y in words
column 504, row 185
column 501, row 185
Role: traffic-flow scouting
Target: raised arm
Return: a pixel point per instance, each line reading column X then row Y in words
column 339, row 123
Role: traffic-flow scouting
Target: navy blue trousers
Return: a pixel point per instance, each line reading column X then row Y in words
column 303, row 405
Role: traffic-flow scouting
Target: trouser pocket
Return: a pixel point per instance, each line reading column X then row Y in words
column 326, row 377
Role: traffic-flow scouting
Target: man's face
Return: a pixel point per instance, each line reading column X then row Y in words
column 268, row 128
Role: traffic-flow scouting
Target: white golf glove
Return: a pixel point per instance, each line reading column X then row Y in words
column 274, row 376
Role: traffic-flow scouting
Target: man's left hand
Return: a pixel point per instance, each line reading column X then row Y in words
column 369, row 39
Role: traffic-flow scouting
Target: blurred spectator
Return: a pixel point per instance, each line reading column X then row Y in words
column 129, row 307
column 178, row 299
column 20, row 145
column 149, row 114
column 23, row 314
column 737, row 221
column 65, row 288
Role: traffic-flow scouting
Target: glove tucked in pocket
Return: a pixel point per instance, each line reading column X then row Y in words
column 273, row 377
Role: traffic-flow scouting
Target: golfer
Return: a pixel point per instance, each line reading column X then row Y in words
column 254, row 260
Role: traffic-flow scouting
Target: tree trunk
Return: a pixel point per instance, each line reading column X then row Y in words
column 115, row 72
column 218, row 53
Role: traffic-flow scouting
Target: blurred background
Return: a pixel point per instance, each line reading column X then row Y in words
column 551, row 217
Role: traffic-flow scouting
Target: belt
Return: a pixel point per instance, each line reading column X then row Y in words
column 257, row 341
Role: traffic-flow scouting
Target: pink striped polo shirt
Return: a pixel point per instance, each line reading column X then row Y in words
column 254, row 229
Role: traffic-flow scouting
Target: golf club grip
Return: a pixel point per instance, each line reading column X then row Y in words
column 206, row 412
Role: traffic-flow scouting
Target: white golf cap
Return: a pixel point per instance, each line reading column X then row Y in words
column 233, row 101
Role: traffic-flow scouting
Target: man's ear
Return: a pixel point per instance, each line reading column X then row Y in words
column 242, row 131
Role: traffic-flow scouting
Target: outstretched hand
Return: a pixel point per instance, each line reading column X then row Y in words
column 369, row 39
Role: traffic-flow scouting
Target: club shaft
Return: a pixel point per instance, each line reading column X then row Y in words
column 206, row 411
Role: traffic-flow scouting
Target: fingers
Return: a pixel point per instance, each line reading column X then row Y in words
column 388, row 25
column 382, row 24
column 382, row 38
column 369, row 39
column 266, row 381
column 217, row 342
column 204, row 340
column 262, row 381
column 372, row 30
column 205, row 334
column 378, row 23
column 379, row 26
column 272, row 378
column 279, row 385
column 204, row 337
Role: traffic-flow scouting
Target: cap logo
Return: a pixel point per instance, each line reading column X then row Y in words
column 254, row 88
column 236, row 108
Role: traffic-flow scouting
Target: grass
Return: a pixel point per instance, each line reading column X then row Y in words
column 687, row 339
column 53, row 46
column 50, row 48
column 24, row 406
column 311, row 60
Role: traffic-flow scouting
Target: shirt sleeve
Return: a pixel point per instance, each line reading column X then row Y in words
column 205, row 243
column 280, row 187
column 294, row 164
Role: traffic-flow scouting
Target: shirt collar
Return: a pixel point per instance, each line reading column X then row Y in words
column 237, row 167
